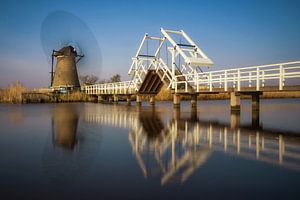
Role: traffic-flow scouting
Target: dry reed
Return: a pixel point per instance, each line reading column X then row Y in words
column 13, row 93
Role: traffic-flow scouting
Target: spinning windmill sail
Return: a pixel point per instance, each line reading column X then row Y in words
column 66, row 38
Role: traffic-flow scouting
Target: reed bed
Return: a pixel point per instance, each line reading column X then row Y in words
column 13, row 93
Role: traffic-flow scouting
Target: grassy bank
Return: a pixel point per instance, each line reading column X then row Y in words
column 75, row 97
column 18, row 93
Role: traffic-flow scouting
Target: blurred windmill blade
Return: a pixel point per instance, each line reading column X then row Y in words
column 61, row 29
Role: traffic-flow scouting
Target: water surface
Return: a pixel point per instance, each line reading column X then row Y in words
column 102, row 151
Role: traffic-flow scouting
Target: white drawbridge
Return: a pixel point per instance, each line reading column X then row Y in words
column 176, row 61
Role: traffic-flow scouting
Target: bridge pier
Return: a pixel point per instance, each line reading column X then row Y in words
column 128, row 100
column 255, row 118
column 176, row 113
column 235, row 101
column 255, row 101
column 116, row 98
column 176, row 100
column 152, row 100
column 255, row 109
column 100, row 99
column 138, row 100
column 194, row 100
column 194, row 114
column 235, row 119
column 110, row 99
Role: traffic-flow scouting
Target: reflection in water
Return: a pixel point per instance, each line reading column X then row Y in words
column 74, row 145
column 64, row 126
column 174, row 150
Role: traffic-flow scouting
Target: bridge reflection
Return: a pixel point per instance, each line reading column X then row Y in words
column 175, row 149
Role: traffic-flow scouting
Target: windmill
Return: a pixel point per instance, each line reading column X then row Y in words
column 67, row 39
column 65, row 75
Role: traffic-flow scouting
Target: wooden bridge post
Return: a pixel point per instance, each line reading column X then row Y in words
column 194, row 100
column 255, row 118
column 152, row 100
column 255, row 108
column 235, row 101
column 176, row 100
column 194, row 114
column 138, row 100
column 255, row 102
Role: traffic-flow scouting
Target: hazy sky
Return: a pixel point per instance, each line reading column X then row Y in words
column 231, row 33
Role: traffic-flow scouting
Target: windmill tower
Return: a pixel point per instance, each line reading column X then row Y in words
column 65, row 74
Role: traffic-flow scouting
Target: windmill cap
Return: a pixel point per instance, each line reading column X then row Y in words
column 67, row 51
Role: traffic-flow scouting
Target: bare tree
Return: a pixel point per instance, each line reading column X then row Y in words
column 88, row 79
column 115, row 78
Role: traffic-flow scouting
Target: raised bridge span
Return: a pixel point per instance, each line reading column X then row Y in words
column 176, row 61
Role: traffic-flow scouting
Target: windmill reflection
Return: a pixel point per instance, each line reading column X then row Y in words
column 64, row 126
column 173, row 151
column 73, row 147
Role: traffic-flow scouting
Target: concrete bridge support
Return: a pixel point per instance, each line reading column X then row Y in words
column 176, row 100
column 138, row 100
column 235, row 101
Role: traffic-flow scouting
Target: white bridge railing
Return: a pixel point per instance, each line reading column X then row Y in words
column 256, row 76
column 125, row 87
column 238, row 78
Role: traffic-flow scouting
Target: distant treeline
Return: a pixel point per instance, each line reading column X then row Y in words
column 92, row 79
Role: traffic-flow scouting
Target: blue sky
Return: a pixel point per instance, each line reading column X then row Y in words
column 231, row 33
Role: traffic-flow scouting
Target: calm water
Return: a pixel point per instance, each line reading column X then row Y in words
column 97, row 151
